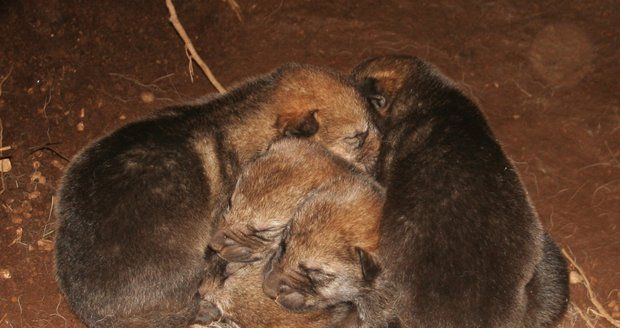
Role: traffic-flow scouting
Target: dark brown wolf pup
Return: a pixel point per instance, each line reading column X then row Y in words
column 459, row 237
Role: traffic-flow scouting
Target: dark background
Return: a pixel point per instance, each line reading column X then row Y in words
column 546, row 75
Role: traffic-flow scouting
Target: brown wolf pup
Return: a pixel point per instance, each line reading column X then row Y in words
column 458, row 236
column 268, row 192
column 326, row 256
column 138, row 207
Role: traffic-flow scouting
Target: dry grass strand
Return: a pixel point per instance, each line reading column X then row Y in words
column 599, row 310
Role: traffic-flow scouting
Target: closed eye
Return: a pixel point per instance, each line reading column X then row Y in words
column 316, row 275
column 358, row 139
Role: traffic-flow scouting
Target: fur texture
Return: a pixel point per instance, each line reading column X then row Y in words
column 459, row 238
column 137, row 207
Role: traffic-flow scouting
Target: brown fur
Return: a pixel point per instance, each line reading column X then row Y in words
column 267, row 195
column 138, row 207
column 326, row 257
column 268, row 192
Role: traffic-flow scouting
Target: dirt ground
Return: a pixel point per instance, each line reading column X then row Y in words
column 546, row 74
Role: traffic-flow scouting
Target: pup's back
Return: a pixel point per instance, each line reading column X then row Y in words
column 458, row 236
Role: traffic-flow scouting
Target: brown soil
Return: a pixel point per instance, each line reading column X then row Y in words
column 546, row 75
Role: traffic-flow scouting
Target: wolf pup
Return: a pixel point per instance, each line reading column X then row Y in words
column 458, row 237
column 326, row 255
column 137, row 207
column 268, row 192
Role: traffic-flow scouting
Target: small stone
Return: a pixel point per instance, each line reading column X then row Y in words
column 57, row 164
column 82, row 113
column 5, row 274
column 38, row 177
column 80, row 126
column 575, row 278
column 45, row 245
column 122, row 117
column 36, row 165
column 147, row 97
column 5, row 165
column 516, row 116
column 34, row 195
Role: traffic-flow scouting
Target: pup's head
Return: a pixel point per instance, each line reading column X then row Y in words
column 249, row 228
column 394, row 85
column 325, row 107
column 325, row 256
column 266, row 195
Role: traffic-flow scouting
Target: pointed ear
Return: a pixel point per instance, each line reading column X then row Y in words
column 298, row 124
column 370, row 268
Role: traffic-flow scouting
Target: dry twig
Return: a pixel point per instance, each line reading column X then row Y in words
column 600, row 310
column 4, row 79
column 174, row 19
column 236, row 8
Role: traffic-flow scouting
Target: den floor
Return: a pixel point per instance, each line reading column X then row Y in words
column 546, row 74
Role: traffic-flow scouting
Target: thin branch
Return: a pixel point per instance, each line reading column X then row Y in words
column 174, row 19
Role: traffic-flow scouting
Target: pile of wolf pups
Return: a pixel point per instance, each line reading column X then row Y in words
column 305, row 198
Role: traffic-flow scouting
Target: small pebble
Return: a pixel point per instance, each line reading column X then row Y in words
column 147, row 97
column 5, row 274
column 5, row 165
column 38, row 177
column 80, row 126
column 575, row 278
column 34, row 195
column 45, row 245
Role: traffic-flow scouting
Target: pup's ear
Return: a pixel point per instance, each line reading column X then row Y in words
column 370, row 267
column 370, row 89
column 298, row 123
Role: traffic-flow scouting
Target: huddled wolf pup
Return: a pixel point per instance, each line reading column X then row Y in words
column 459, row 237
column 137, row 207
column 268, row 192
column 292, row 181
column 325, row 257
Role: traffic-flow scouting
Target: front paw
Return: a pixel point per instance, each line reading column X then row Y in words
column 233, row 247
column 207, row 313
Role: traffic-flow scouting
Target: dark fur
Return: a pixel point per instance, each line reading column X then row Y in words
column 459, row 238
column 137, row 207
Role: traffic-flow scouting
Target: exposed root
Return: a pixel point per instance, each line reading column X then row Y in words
column 599, row 310
column 174, row 19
